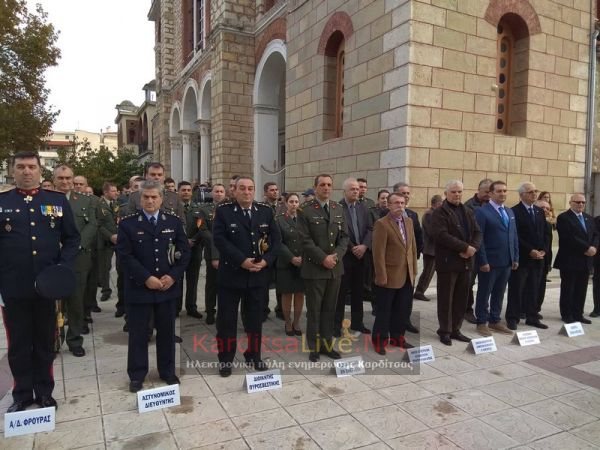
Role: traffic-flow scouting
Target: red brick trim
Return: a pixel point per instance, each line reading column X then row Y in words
column 522, row 8
column 275, row 30
column 340, row 21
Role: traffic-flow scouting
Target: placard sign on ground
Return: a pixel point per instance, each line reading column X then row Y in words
column 347, row 367
column 572, row 329
column 483, row 345
column 524, row 338
column 422, row 354
column 158, row 398
column 28, row 422
column 263, row 381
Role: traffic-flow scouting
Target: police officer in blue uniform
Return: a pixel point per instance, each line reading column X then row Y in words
column 248, row 240
column 37, row 230
column 153, row 250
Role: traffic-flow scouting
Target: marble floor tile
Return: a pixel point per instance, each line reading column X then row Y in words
column 81, row 386
column 475, row 402
column 81, row 407
column 339, row 433
column 195, row 386
column 546, row 385
column 205, row 434
column 118, row 401
column 219, row 385
column 484, row 361
column 589, row 432
column 383, row 378
column 236, row 444
column 405, row 393
column 79, row 369
column 241, row 403
column 389, row 421
column 559, row 414
column 476, row 435
column 124, row 425
column 592, row 367
column 519, row 425
column 480, row 377
column 362, row 401
column 194, row 410
column 18, row 442
column 424, row 440
column 162, row 441
column 512, row 392
column 444, row 384
column 76, row 433
column 563, row 441
column 435, row 411
column 116, row 381
column 451, row 365
column 287, row 438
column 335, row 387
column 316, row 410
column 298, row 392
column 263, row 422
column 585, row 400
column 424, row 372
column 512, row 371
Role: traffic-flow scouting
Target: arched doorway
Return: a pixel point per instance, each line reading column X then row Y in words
column 175, row 137
column 189, row 133
column 204, row 126
column 269, row 116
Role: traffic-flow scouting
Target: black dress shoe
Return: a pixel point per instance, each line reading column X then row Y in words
column 135, row 386
column 46, row 401
column 77, row 351
column 314, row 356
column 362, row 329
column 594, row 314
column 539, row 316
column 421, row 296
column 412, row 329
column 568, row 319
column 380, row 349
column 331, row 353
column 279, row 314
column 470, row 317
column 195, row 314
column 125, row 328
column 85, row 329
column 537, row 324
column 584, row 320
column 297, row 332
column 458, row 336
column 104, row 297
column 210, row 318
column 173, row 379
column 19, row 405
column 119, row 313
column 96, row 309
column 445, row 339
column 225, row 369
column 254, row 361
column 88, row 319
column 178, row 339
column 511, row 324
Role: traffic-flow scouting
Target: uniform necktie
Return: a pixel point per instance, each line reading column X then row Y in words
column 326, row 208
column 247, row 214
column 532, row 214
column 153, row 221
column 582, row 221
column 187, row 207
column 354, row 219
column 294, row 219
column 504, row 216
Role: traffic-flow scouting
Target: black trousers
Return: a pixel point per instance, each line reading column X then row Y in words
column 573, row 289
column 523, row 288
column 596, row 290
column 120, row 287
column 427, row 274
column 393, row 311
column 91, row 286
column 452, row 297
column 30, row 325
column 252, row 299
column 210, row 288
column 139, row 316
column 192, row 273
column 352, row 280
column 104, row 264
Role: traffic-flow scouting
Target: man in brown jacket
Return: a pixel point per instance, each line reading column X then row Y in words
column 457, row 238
column 395, row 264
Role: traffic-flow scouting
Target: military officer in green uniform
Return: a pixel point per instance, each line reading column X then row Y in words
column 206, row 217
column 192, row 231
column 107, row 236
column 85, row 221
column 325, row 240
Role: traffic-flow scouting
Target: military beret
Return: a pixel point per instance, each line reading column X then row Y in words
column 55, row 282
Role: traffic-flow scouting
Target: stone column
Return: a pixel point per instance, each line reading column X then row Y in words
column 187, row 138
column 176, row 159
column 205, row 157
column 266, row 143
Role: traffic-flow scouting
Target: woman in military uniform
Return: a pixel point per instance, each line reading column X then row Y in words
column 289, row 261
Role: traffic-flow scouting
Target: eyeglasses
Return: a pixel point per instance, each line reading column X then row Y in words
column 531, row 192
column 581, row 202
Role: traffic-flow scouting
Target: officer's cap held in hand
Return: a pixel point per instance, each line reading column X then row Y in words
column 55, row 282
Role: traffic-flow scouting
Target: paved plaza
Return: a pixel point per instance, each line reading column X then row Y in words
column 542, row 397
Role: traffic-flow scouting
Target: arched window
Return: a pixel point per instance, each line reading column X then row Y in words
column 512, row 75
column 339, row 96
column 333, row 98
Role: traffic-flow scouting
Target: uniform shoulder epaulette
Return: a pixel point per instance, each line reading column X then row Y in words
column 224, row 204
column 281, row 214
column 308, row 203
column 129, row 216
column 264, row 204
column 169, row 212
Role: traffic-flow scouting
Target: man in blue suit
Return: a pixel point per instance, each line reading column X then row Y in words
column 154, row 252
column 497, row 256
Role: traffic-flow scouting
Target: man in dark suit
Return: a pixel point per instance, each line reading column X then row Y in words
column 404, row 190
column 524, row 282
column 497, row 256
column 596, row 281
column 360, row 228
column 37, row 230
column 248, row 240
column 577, row 245
column 457, row 238
column 153, row 250
column 547, row 209
column 107, row 236
column 428, row 251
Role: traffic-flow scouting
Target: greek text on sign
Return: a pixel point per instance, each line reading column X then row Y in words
column 346, row 367
column 263, row 381
column 422, row 354
column 158, row 398
column 573, row 329
column 529, row 337
column 484, row 345
column 28, row 422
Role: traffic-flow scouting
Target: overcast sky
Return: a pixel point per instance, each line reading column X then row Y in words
column 107, row 56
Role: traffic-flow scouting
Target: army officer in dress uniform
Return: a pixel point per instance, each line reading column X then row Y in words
column 248, row 240
column 37, row 230
column 153, row 250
